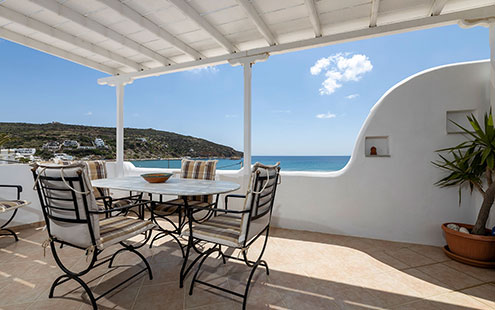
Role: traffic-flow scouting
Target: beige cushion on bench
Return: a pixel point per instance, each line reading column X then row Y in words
column 223, row 229
column 171, row 206
column 120, row 228
column 10, row 205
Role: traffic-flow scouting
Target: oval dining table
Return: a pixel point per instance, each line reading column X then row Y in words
column 176, row 187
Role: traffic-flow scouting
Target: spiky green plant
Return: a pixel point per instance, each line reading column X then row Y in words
column 472, row 163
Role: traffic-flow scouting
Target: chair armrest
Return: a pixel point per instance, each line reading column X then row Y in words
column 18, row 187
column 232, row 196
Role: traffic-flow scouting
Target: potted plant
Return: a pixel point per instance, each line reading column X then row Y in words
column 472, row 163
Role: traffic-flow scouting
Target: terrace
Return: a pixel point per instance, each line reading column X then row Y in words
column 375, row 249
column 308, row 271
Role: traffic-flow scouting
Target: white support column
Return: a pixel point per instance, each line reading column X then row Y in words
column 247, row 64
column 247, row 116
column 492, row 66
column 119, row 89
column 119, row 84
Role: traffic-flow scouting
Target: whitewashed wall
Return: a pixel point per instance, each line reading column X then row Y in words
column 390, row 198
column 20, row 175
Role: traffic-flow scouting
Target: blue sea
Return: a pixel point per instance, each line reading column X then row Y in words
column 287, row 163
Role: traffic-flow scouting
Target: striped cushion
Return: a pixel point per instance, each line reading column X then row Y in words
column 223, row 229
column 97, row 170
column 9, row 205
column 172, row 206
column 119, row 228
column 201, row 170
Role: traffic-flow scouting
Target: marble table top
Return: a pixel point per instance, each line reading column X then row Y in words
column 173, row 186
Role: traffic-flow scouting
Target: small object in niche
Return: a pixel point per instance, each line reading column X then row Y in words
column 373, row 151
column 464, row 230
column 453, row 227
column 493, row 231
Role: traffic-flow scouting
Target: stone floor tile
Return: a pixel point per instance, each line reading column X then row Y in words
column 483, row 293
column 483, row 274
column 452, row 278
column 458, row 301
column 410, row 257
column 433, row 252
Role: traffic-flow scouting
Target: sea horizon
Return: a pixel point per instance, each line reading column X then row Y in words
column 287, row 162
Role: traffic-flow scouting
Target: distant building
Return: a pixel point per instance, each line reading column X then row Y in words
column 51, row 146
column 99, row 143
column 62, row 156
column 6, row 156
column 86, row 147
column 24, row 151
column 71, row 143
column 16, row 154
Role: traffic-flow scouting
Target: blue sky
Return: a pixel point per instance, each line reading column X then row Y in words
column 290, row 115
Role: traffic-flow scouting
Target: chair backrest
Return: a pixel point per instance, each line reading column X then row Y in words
column 259, row 200
column 66, row 198
column 97, row 170
column 201, row 170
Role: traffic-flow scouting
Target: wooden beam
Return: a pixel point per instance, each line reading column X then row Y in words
column 74, row 16
column 36, row 25
column 55, row 51
column 348, row 36
column 147, row 24
column 375, row 5
column 191, row 13
column 437, row 7
column 313, row 17
column 257, row 21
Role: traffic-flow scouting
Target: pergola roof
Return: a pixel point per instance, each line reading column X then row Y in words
column 139, row 38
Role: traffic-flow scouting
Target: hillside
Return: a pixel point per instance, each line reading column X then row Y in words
column 138, row 143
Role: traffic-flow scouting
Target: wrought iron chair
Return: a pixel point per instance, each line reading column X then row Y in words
column 98, row 170
column 165, row 210
column 72, row 218
column 239, row 229
column 11, row 206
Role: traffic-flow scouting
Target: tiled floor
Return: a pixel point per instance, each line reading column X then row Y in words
column 308, row 271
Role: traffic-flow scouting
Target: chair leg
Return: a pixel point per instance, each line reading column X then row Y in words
column 9, row 233
column 248, row 284
column 171, row 234
column 133, row 250
column 66, row 278
column 252, row 264
column 205, row 256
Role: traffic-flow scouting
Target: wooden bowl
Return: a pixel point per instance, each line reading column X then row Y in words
column 156, row 177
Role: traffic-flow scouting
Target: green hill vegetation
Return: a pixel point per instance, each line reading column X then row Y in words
column 138, row 143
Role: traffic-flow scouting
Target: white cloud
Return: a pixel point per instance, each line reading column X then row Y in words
column 326, row 115
column 320, row 64
column 208, row 69
column 353, row 96
column 88, row 113
column 340, row 68
column 230, row 115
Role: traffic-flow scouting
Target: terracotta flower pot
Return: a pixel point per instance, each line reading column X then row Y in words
column 475, row 247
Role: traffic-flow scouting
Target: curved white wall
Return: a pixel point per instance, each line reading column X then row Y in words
column 389, row 198
column 393, row 197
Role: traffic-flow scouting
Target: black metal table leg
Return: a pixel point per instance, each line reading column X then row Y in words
column 183, row 270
